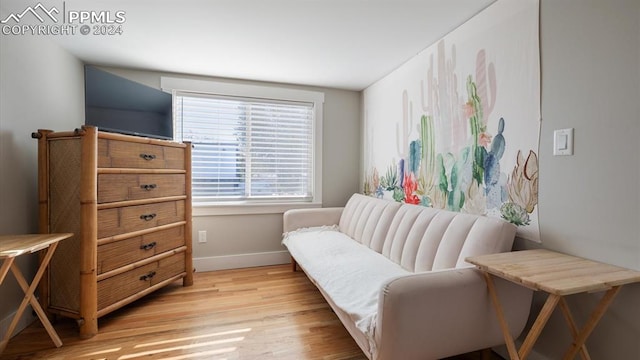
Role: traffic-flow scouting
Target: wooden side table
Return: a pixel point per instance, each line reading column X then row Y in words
column 558, row 275
column 12, row 246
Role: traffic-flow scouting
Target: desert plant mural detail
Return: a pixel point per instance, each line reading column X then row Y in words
column 471, row 145
column 472, row 176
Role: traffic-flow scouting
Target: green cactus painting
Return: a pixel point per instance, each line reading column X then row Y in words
column 457, row 125
column 469, row 179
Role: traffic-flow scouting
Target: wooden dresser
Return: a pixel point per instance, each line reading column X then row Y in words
column 127, row 199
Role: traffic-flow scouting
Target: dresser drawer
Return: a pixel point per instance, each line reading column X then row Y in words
column 120, row 253
column 122, row 220
column 122, row 154
column 120, row 287
column 123, row 187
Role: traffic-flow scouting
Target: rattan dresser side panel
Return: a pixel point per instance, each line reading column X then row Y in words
column 64, row 200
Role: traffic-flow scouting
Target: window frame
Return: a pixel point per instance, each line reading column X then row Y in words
column 270, row 92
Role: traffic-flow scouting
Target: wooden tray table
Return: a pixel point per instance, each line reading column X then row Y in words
column 558, row 275
column 12, row 246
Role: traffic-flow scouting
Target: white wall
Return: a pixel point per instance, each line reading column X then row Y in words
column 253, row 240
column 590, row 202
column 41, row 86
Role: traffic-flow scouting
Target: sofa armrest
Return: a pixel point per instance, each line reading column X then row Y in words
column 303, row 218
column 438, row 314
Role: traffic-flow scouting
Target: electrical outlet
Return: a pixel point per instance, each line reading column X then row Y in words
column 202, row 236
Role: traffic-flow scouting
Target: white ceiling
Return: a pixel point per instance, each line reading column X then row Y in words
column 346, row 44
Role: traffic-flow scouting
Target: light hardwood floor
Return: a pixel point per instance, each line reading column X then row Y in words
column 257, row 313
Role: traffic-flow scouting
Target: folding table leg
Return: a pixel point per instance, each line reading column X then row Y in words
column 538, row 325
column 6, row 264
column 572, row 327
column 29, row 298
column 4, row 270
column 593, row 320
column 511, row 346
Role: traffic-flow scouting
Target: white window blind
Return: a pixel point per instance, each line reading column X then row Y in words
column 247, row 148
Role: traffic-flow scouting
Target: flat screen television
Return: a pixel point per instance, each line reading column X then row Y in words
column 117, row 104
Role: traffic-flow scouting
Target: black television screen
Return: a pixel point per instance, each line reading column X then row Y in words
column 116, row 104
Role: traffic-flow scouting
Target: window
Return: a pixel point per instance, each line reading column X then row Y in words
column 249, row 149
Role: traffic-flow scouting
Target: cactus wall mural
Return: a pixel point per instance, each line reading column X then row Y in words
column 465, row 113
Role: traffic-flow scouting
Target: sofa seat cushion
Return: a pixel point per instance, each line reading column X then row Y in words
column 350, row 273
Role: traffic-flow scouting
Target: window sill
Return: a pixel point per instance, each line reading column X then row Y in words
column 249, row 208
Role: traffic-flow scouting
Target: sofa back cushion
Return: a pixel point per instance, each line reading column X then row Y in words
column 419, row 238
column 425, row 239
column 367, row 220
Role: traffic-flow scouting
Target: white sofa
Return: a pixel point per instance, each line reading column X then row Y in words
column 396, row 276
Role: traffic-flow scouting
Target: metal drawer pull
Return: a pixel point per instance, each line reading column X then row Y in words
column 148, row 276
column 148, row 187
column 148, row 246
column 148, row 157
column 147, row 217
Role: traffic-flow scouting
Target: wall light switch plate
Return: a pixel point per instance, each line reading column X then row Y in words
column 563, row 142
column 202, row 236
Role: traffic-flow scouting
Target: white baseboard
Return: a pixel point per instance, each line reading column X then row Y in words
column 241, row 261
column 25, row 320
